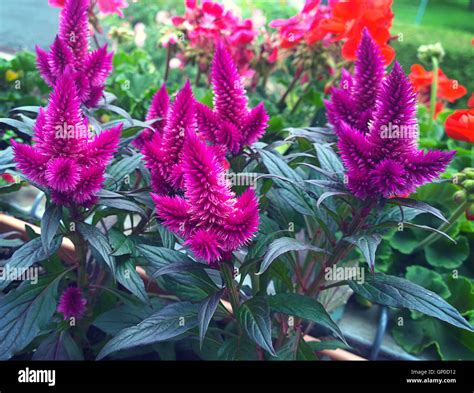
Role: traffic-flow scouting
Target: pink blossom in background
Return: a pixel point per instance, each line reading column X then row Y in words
column 209, row 23
column 105, row 6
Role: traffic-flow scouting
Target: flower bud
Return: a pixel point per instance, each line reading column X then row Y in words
column 468, row 185
column 427, row 52
column 460, row 196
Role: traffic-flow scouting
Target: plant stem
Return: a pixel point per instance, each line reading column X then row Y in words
column 434, row 92
column 228, row 275
column 342, row 247
column 281, row 103
column 446, row 226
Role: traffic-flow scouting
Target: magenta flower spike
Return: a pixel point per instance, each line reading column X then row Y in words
column 157, row 110
column 374, row 117
column 72, row 304
column 163, row 151
column 66, row 158
column 211, row 219
column 71, row 50
column 230, row 123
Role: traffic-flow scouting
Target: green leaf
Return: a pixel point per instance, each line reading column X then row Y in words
column 282, row 245
column 254, row 317
column 398, row 292
column 19, row 125
column 329, row 160
column 130, row 279
column 367, row 244
column 161, row 256
column 170, row 322
column 25, row 311
column 98, row 242
column 58, row 346
column 419, row 205
column 50, row 224
column 428, row 279
column 178, row 267
column 443, row 253
column 207, row 308
column 122, row 168
column 304, row 307
column 238, row 348
column 293, row 350
column 126, row 315
column 122, row 204
column 28, row 254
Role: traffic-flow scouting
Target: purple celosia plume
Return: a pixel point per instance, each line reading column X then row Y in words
column 211, row 219
column 374, row 117
column 70, row 50
column 230, row 123
column 163, row 150
column 66, row 158
column 72, row 304
column 158, row 111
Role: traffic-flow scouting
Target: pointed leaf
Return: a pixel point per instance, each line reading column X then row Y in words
column 170, row 322
column 254, row 317
column 398, row 292
column 207, row 308
column 304, row 307
column 50, row 224
column 367, row 244
column 282, row 245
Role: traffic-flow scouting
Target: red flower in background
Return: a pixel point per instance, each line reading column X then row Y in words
column 340, row 21
column 460, row 125
column 350, row 17
column 448, row 89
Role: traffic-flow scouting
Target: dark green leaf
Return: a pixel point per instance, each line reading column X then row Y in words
column 254, row 317
column 398, row 292
column 122, row 204
column 50, row 224
column 171, row 321
column 304, row 307
column 283, row 245
column 419, row 205
column 25, row 311
column 178, row 267
column 98, row 242
column 207, row 308
column 58, row 346
column 130, row 279
column 367, row 244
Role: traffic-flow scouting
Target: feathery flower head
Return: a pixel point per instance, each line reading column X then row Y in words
column 70, row 49
column 66, row 158
column 72, row 304
column 230, row 123
column 374, row 118
column 211, row 219
column 158, row 111
column 162, row 149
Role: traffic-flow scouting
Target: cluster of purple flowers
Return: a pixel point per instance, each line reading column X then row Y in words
column 373, row 115
column 185, row 152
